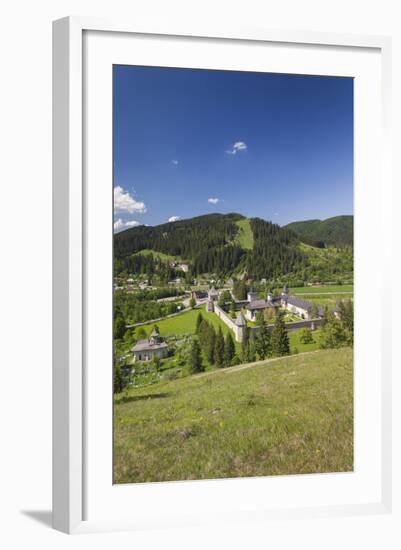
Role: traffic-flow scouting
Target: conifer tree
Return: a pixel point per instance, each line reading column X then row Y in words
column 219, row 349
column 117, row 379
column 263, row 341
column 245, row 345
column 195, row 358
column 229, row 349
column 279, row 338
column 199, row 320
column 210, row 344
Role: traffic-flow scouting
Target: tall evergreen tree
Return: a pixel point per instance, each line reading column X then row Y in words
column 199, row 320
column 195, row 358
column 229, row 349
column 117, row 379
column 280, row 343
column 252, row 347
column 210, row 344
column 219, row 349
column 263, row 341
column 245, row 345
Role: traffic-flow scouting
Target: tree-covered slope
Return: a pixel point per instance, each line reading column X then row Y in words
column 208, row 242
column 220, row 243
column 227, row 244
column 337, row 231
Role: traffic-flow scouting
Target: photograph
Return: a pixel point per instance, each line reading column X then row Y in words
column 233, row 274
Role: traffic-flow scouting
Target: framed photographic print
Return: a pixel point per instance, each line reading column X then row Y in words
column 217, row 273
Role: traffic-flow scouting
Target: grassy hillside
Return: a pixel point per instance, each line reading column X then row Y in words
column 160, row 255
column 283, row 416
column 337, row 231
column 244, row 237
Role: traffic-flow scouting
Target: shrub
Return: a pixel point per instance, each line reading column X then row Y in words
column 306, row 336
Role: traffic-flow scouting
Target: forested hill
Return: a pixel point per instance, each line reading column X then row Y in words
column 230, row 244
column 185, row 238
column 213, row 243
column 337, row 231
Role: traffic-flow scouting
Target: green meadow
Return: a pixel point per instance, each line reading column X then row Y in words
column 324, row 289
column 185, row 323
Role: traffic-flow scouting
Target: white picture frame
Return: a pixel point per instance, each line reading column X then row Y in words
column 70, row 422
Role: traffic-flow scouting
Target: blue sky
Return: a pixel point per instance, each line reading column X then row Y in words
column 189, row 142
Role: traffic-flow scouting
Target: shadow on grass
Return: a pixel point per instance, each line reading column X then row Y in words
column 133, row 398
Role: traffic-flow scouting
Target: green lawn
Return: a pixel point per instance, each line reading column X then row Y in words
column 337, row 289
column 186, row 323
column 325, row 300
column 178, row 325
column 244, row 236
column 290, row 415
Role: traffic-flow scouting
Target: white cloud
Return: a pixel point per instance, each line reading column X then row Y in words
column 120, row 225
column 237, row 146
column 174, row 161
column 174, row 218
column 213, row 200
column 124, row 202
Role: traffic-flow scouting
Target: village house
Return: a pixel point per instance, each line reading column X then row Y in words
column 154, row 346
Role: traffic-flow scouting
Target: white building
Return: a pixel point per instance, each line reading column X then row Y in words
column 155, row 346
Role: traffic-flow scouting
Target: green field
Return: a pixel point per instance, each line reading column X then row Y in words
column 185, row 323
column 328, row 295
column 332, row 289
column 244, row 236
column 290, row 415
